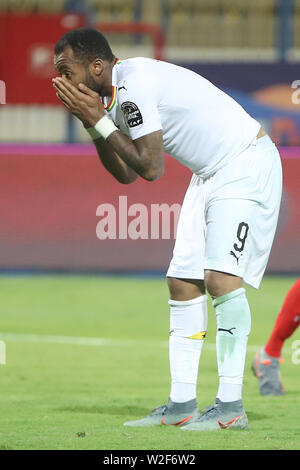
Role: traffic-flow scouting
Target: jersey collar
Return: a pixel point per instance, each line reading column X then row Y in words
column 112, row 101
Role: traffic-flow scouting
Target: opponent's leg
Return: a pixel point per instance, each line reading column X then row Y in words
column 266, row 364
column 286, row 323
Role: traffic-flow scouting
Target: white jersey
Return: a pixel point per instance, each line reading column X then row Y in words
column 202, row 126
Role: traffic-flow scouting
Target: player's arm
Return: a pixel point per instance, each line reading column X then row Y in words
column 143, row 155
column 126, row 159
column 87, row 108
column 113, row 163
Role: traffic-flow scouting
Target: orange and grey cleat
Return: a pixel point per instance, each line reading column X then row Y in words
column 173, row 414
column 267, row 371
column 220, row 416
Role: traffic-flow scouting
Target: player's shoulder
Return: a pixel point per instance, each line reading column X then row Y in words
column 134, row 75
column 136, row 63
column 136, row 67
column 151, row 71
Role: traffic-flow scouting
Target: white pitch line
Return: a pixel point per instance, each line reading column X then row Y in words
column 86, row 341
column 74, row 340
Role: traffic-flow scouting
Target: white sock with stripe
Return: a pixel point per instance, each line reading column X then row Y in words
column 188, row 324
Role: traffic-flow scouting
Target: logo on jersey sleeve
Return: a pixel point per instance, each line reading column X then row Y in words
column 132, row 114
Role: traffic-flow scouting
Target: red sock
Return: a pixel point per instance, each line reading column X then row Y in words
column 287, row 321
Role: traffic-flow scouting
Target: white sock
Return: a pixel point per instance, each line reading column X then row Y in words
column 229, row 392
column 188, row 324
column 234, row 323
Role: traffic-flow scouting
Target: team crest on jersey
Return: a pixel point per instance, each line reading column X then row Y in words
column 132, row 114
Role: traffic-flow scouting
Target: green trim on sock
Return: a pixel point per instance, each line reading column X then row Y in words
column 231, row 295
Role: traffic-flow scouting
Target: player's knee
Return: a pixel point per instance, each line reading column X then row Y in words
column 185, row 289
column 176, row 288
column 218, row 283
column 213, row 283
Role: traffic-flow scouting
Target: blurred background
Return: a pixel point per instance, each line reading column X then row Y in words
column 51, row 182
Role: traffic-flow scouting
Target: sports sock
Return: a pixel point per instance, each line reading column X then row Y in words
column 233, row 327
column 188, row 323
column 287, row 321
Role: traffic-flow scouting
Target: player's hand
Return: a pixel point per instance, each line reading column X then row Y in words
column 83, row 102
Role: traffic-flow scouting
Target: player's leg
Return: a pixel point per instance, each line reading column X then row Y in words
column 188, row 302
column 188, row 324
column 224, row 281
column 233, row 327
column 266, row 365
column 189, row 321
column 188, row 313
column 239, row 236
column 185, row 289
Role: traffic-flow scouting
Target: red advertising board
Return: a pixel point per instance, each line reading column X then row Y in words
column 26, row 54
column 61, row 210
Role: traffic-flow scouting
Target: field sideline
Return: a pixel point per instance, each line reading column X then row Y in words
column 84, row 354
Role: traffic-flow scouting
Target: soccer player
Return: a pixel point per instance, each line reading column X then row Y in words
column 266, row 364
column 229, row 214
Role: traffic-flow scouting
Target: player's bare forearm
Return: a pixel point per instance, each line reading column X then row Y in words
column 113, row 163
column 144, row 155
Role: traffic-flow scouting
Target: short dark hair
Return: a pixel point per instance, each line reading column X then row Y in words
column 87, row 44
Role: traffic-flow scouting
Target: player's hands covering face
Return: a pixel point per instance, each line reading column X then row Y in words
column 83, row 102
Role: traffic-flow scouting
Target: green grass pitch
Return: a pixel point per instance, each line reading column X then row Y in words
column 60, row 389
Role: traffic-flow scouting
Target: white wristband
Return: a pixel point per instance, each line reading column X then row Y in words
column 105, row 127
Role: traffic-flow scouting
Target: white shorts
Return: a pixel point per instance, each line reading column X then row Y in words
column 228, row 221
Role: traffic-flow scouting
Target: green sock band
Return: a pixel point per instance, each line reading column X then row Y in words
column 231, row 295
